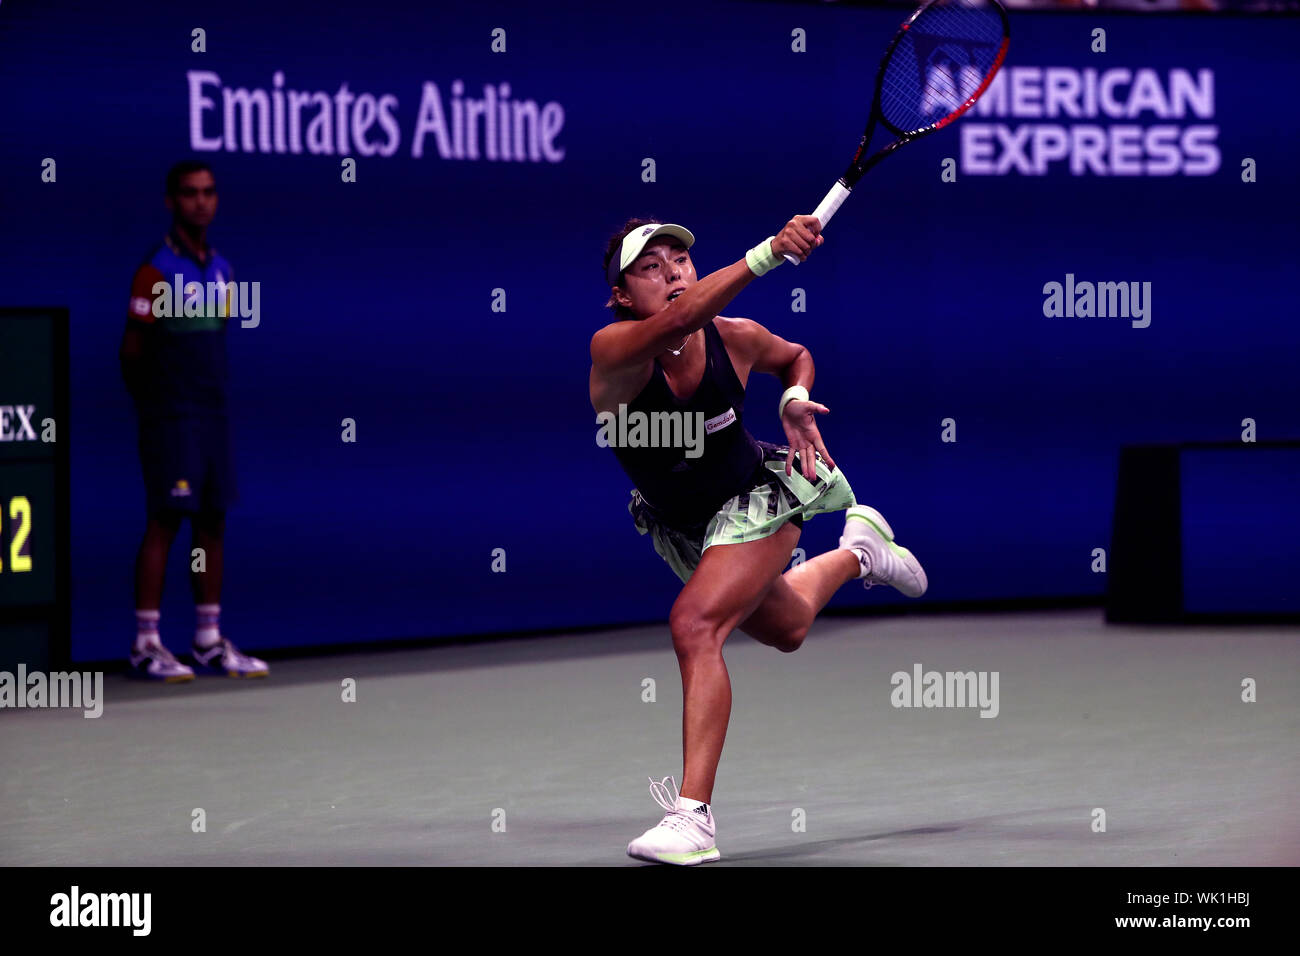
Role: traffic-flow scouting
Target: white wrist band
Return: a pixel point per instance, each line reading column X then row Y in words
column 761, row 258
column 789, row 395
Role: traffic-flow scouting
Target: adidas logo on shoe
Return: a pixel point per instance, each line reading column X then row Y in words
column 677, row 839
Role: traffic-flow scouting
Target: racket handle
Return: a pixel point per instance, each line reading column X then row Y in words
column 832, row 201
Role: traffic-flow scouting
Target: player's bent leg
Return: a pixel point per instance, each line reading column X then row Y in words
column 728, row 586
column 782, row 618
column 796, row 598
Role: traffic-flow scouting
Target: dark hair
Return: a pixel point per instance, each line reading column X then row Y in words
column 611, row 250
column 184, row 168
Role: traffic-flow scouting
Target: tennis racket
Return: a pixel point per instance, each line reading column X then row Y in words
column 940, row 62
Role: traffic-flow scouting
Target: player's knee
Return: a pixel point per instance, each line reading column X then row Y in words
column 791, row 641
column 692, row 630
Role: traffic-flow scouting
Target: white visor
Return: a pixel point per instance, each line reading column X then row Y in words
column 636, row 240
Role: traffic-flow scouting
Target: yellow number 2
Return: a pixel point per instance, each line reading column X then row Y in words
column 21, row 509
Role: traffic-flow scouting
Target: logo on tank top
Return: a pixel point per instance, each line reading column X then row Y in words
column 719, row 422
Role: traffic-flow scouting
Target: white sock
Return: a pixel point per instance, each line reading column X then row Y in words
column 146, row 627
column 686, row 803
column 208, row 631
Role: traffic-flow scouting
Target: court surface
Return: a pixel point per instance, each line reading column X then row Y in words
column 552, row 737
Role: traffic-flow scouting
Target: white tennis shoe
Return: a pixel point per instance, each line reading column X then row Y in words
column 684, row 837
column 868, row 535
column 153, row 661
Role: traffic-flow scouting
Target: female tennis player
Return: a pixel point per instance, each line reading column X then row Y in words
column 725, row 516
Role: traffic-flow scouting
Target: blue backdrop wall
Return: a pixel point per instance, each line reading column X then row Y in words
column 926, row 303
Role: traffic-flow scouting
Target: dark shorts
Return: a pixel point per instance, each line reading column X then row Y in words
column 187, row 463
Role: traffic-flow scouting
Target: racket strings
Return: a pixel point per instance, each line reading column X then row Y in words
column 939, row 63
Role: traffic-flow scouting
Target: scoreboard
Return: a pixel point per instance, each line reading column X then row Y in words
column 34, row 599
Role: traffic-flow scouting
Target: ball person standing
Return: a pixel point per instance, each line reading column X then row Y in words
column 173, row 359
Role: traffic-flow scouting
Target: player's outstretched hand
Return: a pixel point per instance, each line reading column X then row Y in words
column 800, row 423
column 801, row 235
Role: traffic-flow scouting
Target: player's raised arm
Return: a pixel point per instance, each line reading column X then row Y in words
column 663, row 304
column 632, row 343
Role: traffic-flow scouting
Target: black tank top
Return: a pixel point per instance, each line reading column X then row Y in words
column 684, row 491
